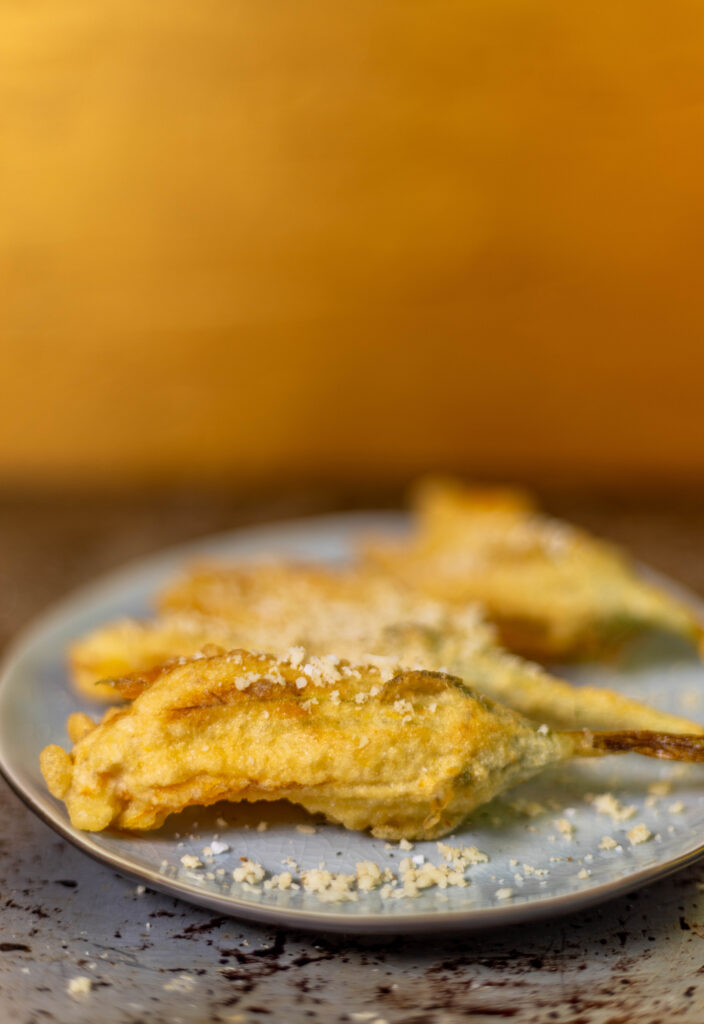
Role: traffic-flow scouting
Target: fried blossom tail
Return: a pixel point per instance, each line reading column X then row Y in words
column 666, row 746
column 130, row 687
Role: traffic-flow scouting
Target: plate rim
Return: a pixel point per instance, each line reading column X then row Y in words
column 469, row 919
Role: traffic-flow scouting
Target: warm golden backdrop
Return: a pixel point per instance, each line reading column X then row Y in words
column 244, row 237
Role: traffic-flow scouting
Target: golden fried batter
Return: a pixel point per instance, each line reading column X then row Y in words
column 406, row 755
column 551, row 590
column 355, row 615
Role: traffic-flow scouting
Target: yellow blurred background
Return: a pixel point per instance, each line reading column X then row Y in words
column 266, row 240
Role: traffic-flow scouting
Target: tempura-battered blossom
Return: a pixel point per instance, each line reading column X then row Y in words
column 407, row 754
column 403, row 755
column 551, row 590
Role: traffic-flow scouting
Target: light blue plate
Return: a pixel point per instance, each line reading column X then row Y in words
column 35, row 700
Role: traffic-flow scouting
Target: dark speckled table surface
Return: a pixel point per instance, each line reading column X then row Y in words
column 152, row 958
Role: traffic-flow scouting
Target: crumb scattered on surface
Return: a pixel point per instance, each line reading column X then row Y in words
column 79, row 986
column 425, row 876
column 281, row 882
column 249, row 871
column 189, row 861
column 461, row 857
column 504, row 894
column 183, row 983
column 676, row 808
column 606, row 803
column 607, row 843
column 528, row 869
column 328, row 886
column 639, row 834
column 369, row 875
column 565, row 828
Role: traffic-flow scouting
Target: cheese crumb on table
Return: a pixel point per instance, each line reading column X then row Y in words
column 183, row 983
column 503, row 894
column 607, row 843
column 79, row 986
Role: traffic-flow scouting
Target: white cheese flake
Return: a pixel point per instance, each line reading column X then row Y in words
column 218, row 846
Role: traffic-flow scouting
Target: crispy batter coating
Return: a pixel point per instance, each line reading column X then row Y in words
column 406, row 755
column 355, row 615
column 552, row 591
